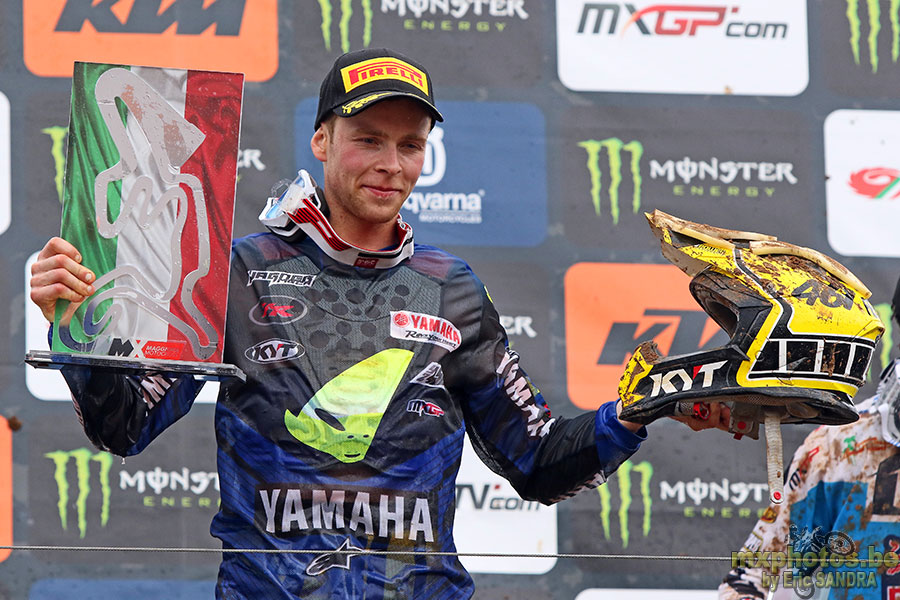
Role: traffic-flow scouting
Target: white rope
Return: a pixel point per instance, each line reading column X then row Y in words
column 737, row 555
column 357, row 552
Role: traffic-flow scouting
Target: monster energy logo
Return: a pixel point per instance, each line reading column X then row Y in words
column 346, row 13
column 623, row 476
column 874, row 9
column 614, row 148
column 58, row 142
column 82, row 458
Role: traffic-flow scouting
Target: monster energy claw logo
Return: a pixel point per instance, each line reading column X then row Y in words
column 346, row 13
column 82, row 458
column 623, row 476
column 58, row 142
column 614, row 147
column 873, row 8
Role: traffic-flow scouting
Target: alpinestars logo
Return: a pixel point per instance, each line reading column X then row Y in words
column 873, row 7
column 431, row 376
column 82, row 459
column 644, row 471
column 340, row 559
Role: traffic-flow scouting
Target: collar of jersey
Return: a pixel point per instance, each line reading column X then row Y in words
column 314, row 224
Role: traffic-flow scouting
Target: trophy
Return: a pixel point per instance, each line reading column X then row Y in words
column 149, row 203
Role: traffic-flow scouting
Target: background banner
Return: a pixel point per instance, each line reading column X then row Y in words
column 565, row 122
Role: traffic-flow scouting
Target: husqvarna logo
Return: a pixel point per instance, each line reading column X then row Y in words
column 435, row 159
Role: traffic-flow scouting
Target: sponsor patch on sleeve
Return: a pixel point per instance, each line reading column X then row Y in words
column 429, row 329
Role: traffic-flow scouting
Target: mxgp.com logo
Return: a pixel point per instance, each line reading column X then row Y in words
column 219, row 35
column 673, row 20
column 638, row 302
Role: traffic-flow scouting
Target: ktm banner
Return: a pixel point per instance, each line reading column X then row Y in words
column 613, row 307
column 214, row 35
column 6, row 488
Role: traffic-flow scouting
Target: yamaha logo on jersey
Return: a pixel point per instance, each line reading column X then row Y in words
column 274, row 350
column 277, row 309
column 429, row 329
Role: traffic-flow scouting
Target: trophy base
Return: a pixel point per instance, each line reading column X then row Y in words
column 42, row 359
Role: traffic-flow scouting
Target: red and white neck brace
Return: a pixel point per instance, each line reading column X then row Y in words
column 314, row 224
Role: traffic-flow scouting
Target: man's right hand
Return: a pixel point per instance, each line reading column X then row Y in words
column 58, row 274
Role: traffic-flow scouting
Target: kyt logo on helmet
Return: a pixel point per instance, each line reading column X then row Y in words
column 801, row 332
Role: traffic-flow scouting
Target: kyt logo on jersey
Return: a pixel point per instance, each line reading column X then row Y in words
column 82, row 458
column 220, row 35
column 277, row 309
column 274, row 350
column 637, row 302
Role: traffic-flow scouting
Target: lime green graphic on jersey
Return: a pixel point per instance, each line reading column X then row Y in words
column 341, row 418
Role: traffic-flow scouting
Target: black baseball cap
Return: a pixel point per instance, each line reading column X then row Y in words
column 361, row 78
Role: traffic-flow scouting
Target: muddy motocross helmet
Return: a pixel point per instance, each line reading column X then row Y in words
column 801, row 332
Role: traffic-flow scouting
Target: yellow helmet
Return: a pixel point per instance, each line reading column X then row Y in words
column 802, row 332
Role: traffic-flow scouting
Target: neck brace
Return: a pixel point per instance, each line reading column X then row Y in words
column 299, row 210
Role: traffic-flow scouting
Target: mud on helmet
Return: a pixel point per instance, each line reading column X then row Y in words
column 801, row 332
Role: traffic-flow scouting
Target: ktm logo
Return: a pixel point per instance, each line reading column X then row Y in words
column 215, row 35
column 6, row 488
column 611, row 308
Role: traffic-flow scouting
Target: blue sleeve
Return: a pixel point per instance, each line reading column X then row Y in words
column 122, row 414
